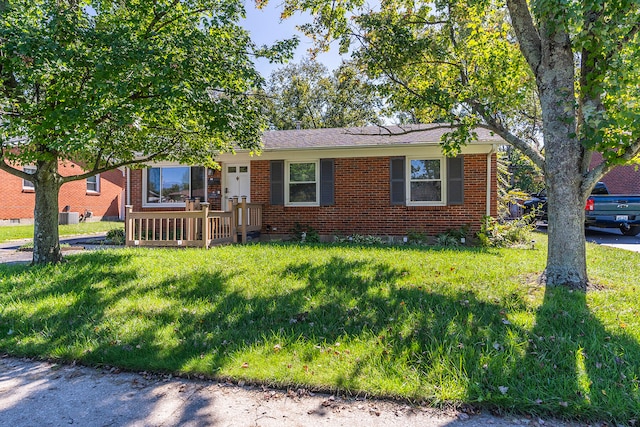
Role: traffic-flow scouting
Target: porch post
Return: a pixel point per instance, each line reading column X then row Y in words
column 234, row 216
column 245, row 219
column 128, row 229
column 205, row 224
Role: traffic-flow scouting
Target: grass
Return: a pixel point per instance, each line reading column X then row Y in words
column 17, row 232
column 429, row 325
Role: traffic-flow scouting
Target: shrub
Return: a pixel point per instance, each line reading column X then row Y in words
column 496, row 233
column 115, row 236
column 359, row 239
column 446, row 239
column 305, row 233
column 417, row 238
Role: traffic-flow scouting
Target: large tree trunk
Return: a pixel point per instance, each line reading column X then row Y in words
column 46, row 242
column 566, row 260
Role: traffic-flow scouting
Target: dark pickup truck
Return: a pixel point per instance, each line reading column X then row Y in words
column 602, row 210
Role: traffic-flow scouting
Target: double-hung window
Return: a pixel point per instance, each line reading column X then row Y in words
column 93, row 184
column 169, row 185
column 26, row 184
column 302, row 181
column 425, row 183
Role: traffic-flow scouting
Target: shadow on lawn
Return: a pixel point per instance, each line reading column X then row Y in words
column 413, row 337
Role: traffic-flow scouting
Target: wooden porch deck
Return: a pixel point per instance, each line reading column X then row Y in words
column 193, row 228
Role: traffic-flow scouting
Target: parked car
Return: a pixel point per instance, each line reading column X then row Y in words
column 602, row 209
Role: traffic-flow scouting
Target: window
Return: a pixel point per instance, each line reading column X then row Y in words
column 93, row 184
column 174, row 184
column 302, row 183
column 26, row 184
column 425, row 183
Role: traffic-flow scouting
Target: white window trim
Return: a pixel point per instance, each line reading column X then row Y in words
column 97, row 190
column 28, row 187
column 286, row 182
column 443, row 181
column 145, row 204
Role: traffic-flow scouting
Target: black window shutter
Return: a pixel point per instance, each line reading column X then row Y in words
column 326, row 182
column 455, row 180
column 277, row 182
column 398, row 187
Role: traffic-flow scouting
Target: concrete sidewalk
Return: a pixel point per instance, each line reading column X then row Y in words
column 34, row 393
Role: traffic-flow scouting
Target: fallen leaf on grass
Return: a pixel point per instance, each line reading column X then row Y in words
column 245, row 365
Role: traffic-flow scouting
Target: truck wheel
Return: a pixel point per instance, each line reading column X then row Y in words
column 633, row 230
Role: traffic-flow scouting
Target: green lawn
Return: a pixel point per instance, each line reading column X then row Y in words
column 435, row 325
column 16, row 232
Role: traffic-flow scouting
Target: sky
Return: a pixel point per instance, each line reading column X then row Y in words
column 265, row 27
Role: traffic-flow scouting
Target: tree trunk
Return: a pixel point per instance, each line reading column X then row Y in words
column 46, row 242
column 566, row 259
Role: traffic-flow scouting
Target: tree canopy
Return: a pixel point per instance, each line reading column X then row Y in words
column 556, row 74
column 109, row 83
column 307, row 96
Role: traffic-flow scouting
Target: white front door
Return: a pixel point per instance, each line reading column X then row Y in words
column 237, row 181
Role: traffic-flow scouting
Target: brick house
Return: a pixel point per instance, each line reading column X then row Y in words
column 339, row 181
column 101, row 196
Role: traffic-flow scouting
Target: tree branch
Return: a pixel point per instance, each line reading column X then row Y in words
column 107, row 168
column 13, row 171
column 528, row 36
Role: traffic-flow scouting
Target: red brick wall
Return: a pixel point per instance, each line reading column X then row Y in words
column 362, row 201
column 621, row 179
column 19, row 204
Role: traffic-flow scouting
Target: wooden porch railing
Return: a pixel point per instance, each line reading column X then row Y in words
column 193, row 228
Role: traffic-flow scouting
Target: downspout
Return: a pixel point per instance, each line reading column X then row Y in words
column 488, row 202
column 128, row 186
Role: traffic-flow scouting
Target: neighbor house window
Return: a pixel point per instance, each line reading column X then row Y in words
column 93, row 184
column 425, row 182
column 174, row 184
column 26, row 184
column 302, row 183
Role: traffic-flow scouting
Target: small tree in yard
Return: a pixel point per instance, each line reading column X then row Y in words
column 562, row 75
column 111, row 83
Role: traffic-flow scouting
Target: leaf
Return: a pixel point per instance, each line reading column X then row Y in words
column 245, row 365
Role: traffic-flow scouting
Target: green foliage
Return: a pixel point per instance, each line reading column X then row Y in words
column 447, row 327
column 306, row 96
column 304, row 233
column 453, row 237
column 513, row 233
column 518, row 173
column 419, row 238
column 116, row 236
column 112, row 82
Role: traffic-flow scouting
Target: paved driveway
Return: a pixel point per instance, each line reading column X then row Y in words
column 613, row 237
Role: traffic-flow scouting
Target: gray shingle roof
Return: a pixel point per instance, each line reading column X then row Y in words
column 369, row 136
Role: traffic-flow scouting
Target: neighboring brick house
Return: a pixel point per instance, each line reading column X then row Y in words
column 621, row 179
column 340, row 182
column 101, row 196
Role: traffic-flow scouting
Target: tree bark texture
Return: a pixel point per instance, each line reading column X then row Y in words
column 566, row 259
column 46, row 243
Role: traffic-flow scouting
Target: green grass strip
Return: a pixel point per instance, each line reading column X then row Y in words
column 433, row 325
